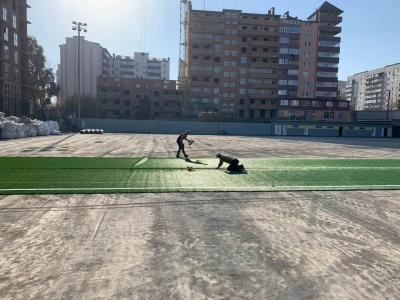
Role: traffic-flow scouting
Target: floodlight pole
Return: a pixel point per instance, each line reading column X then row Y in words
column 79, row 26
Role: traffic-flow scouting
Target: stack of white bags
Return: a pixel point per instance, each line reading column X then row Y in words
column 14, row 127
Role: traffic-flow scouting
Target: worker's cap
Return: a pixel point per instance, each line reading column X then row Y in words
column 187, row 131
column 217, row 154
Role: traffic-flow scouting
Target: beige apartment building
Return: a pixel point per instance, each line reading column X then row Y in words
column 377, row 89
column 137, row 98
column 94, row 61
column 14, row 73
column 263, row 66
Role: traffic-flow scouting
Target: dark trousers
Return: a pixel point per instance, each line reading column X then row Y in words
column 181, row 147
column 234, row 166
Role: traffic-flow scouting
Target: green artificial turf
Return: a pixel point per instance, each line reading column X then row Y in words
column 55, row 175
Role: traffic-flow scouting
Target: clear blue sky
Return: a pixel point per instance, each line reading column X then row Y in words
column 370, row 29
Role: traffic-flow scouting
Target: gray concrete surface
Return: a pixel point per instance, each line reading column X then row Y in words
column 275, row 245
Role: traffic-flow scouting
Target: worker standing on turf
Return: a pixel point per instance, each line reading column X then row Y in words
column 233, row 162
column 179, row 141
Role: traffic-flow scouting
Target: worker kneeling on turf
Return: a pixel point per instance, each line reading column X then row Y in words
column 233, row 163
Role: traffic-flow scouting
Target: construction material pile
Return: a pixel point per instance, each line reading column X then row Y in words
column 14, row 127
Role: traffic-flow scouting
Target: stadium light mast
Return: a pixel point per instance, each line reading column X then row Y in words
column 79, row 26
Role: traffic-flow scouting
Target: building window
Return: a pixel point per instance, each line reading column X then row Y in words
column 127, row 92
column 217, row 59
column 306, row 64
column 294, row 102
column 217, row 48
column 16, row 88
column 6, row 53
column 284, row 102
column 5, row 33
column 329, row 115
column 306, row 83
column 5, row 14
column 243, row 59
column 16, row 59
column 6, row 71
column 7, row 89
column 14, row 21
column 242, row 80
column 307, row 43
column 306, row 74
column 127, row 102
column 216, row 80
column 16, row 75
column 305, row 94
column 242, row 92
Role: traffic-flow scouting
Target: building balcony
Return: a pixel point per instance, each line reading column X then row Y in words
column 331, row 19
column 264, row 64
column 331, row 29
column 264, row 75
column 265, row 54
column 202, row 40
column 262, row 86
column 258, row 32
column 265, row 43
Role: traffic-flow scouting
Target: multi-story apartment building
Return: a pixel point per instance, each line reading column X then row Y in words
column 308, row 66
column 94, row 61
column 137, row 98
column 14, row 73
column 261, row 66
column 377, row 89
column 232, row 60
column 141, row 66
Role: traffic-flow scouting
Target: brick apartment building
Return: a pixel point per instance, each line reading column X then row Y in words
column 262, row 66
column 14, row 73
column 137, row 98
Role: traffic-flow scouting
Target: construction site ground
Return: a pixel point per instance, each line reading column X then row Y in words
column 201, row 245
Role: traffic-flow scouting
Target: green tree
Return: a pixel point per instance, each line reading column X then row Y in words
column 41, row 79
column 70, row 106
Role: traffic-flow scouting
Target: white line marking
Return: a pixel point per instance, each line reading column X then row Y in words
column 143, row 160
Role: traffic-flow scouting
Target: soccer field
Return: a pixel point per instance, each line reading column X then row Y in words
column 56, row 175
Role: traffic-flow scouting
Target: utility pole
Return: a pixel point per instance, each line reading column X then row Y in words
column 79, row 26
column 388, row 106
